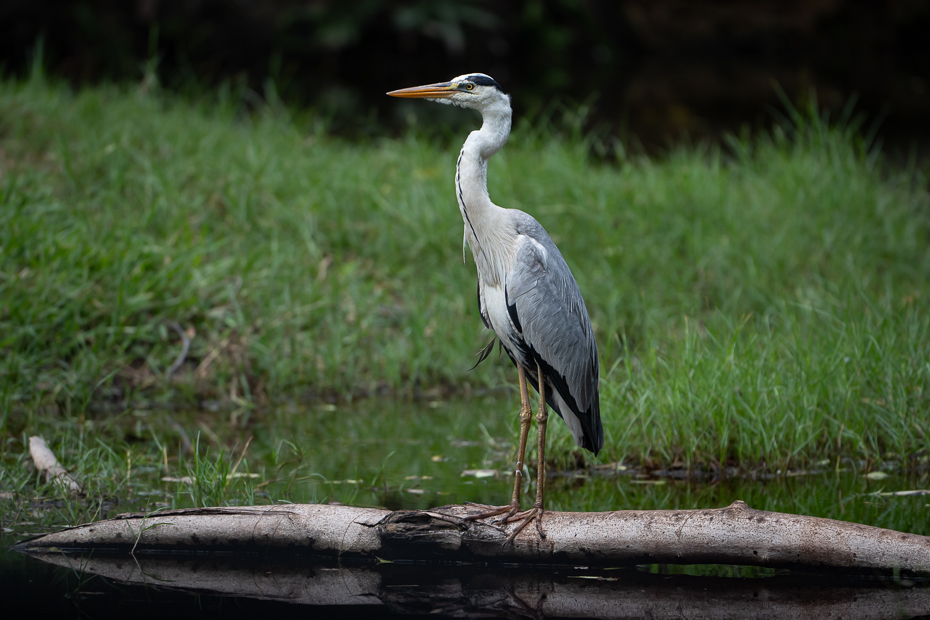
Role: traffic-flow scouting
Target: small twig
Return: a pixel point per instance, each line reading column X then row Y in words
column 46, row 462
column 185, row 347
column 241, row 456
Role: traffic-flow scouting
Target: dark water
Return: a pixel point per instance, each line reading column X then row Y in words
column 214, row 586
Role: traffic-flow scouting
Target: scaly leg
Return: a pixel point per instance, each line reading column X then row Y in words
column 526, row 416
column 537, row 511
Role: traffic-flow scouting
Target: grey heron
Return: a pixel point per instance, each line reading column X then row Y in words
column 526, row 293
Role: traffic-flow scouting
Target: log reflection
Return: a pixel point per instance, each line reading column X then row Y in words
column 473, row 591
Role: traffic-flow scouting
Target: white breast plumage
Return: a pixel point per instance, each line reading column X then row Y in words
column 495, row 302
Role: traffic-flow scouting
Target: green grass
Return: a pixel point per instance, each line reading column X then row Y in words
column 766, row 302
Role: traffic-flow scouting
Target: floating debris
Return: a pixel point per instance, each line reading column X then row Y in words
column 480, row 473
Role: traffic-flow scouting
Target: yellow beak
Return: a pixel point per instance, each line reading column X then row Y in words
column 430, row 91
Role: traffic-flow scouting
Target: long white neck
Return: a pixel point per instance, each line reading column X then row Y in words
column 484, row 231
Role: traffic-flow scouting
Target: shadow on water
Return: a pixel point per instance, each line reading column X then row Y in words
column 149, row 586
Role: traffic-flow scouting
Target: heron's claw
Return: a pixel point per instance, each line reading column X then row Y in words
column 536, row 512
column 512, row 516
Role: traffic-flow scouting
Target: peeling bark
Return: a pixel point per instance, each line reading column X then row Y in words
column 736, row 534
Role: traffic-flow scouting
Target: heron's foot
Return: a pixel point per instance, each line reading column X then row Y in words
column 534, row 513
column 508, row 511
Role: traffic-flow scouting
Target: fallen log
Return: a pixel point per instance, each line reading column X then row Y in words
column 736, row 534
column 46, row 462
column 477, row 591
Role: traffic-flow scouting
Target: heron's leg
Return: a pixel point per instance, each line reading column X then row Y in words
column 526, row 418
column 537, row 511
column 542, row 420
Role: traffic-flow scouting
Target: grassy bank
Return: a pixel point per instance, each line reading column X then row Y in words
column 765, row 303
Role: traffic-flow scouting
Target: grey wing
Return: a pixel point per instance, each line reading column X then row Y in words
column 553, row 328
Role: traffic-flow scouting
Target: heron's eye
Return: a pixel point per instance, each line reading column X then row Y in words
column 470, row 86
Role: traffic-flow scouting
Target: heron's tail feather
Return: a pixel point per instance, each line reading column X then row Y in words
column 484, row 353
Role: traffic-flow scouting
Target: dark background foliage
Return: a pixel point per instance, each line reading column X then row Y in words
column 659, row 69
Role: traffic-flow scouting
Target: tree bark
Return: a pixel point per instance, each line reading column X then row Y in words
column 736, row 534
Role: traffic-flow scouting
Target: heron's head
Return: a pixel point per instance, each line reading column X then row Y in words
column 472, row 90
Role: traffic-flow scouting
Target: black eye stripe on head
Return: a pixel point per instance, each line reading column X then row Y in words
column 483, row 80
